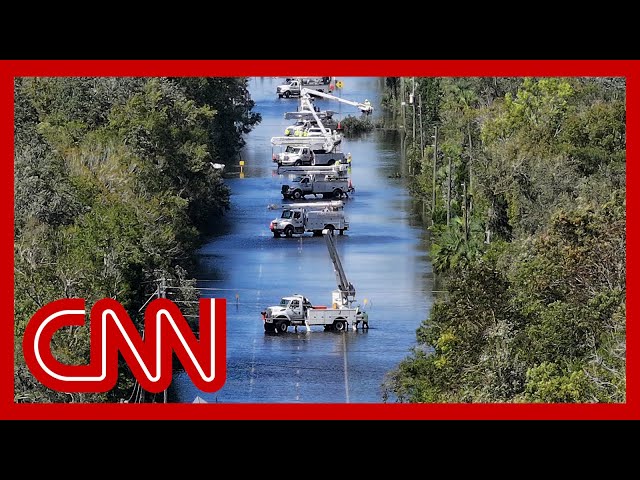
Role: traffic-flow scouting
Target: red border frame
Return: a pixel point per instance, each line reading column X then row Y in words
column 10, row 69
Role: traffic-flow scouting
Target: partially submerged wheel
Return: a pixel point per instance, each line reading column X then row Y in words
column 288, row 231
column 282, row 327
column 339, row 325
column 276, row 234
column 269, row 327
column 337, row 193
column 287, row 94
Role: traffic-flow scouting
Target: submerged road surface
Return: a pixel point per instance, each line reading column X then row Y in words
column 384, row 254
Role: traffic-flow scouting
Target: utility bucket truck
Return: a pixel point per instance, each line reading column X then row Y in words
column 295, row 86
column 296, row 310
column 327, row 185
column 298, row 218
column 298, row 155
column 318, row 137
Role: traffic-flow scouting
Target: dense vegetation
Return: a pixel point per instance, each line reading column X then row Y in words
column 528, row 230
column 352, row 126
column 114, row 184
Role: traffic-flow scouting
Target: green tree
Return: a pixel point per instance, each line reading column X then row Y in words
column 113, row 184
column 535, row 304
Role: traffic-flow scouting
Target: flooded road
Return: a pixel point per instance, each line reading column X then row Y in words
column 384, row 254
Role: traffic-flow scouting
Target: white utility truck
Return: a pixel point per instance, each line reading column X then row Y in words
column 298, row 155
column 294, row 86
column 298, row 218
column 327, row 185
column 296, row 310
column 321, row 136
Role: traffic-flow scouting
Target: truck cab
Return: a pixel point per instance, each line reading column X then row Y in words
column 291, row 221
column 292, row 311
column 295, row 155
column 293, row 86
column 290, row 89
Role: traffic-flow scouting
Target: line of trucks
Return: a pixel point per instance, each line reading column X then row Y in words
column 321, row 171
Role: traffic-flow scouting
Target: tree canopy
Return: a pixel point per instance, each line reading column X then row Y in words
column 114, row 185
column 529, row 240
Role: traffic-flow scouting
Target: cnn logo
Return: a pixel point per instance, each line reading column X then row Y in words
column 112, row 332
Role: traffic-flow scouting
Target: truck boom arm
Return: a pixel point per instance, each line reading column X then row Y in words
column 347, row 290
column 362, row 106
column 335, row 204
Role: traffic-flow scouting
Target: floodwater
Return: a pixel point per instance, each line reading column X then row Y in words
column 384, row 254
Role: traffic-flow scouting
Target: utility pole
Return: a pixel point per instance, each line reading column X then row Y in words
column 421, row 132
column 413, row 104
column 162, row 292
column 402, row 104
column 435, row 167
column 470, row 169
column 449, row 194
column 465, row 214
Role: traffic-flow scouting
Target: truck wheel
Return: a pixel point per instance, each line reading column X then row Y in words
column 337, row 193
column 297, row 194
column 279, row 95
column 287, row 94
column 331, row 228
column 339, row 325
column 269, row 327
column 331, row 162
column 297, row 163
column 288, row 231
column 276, row 234
column 282, row 327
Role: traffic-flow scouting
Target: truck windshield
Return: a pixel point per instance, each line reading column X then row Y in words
column 286, row 214
column 290, row 149
column 284, row 302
